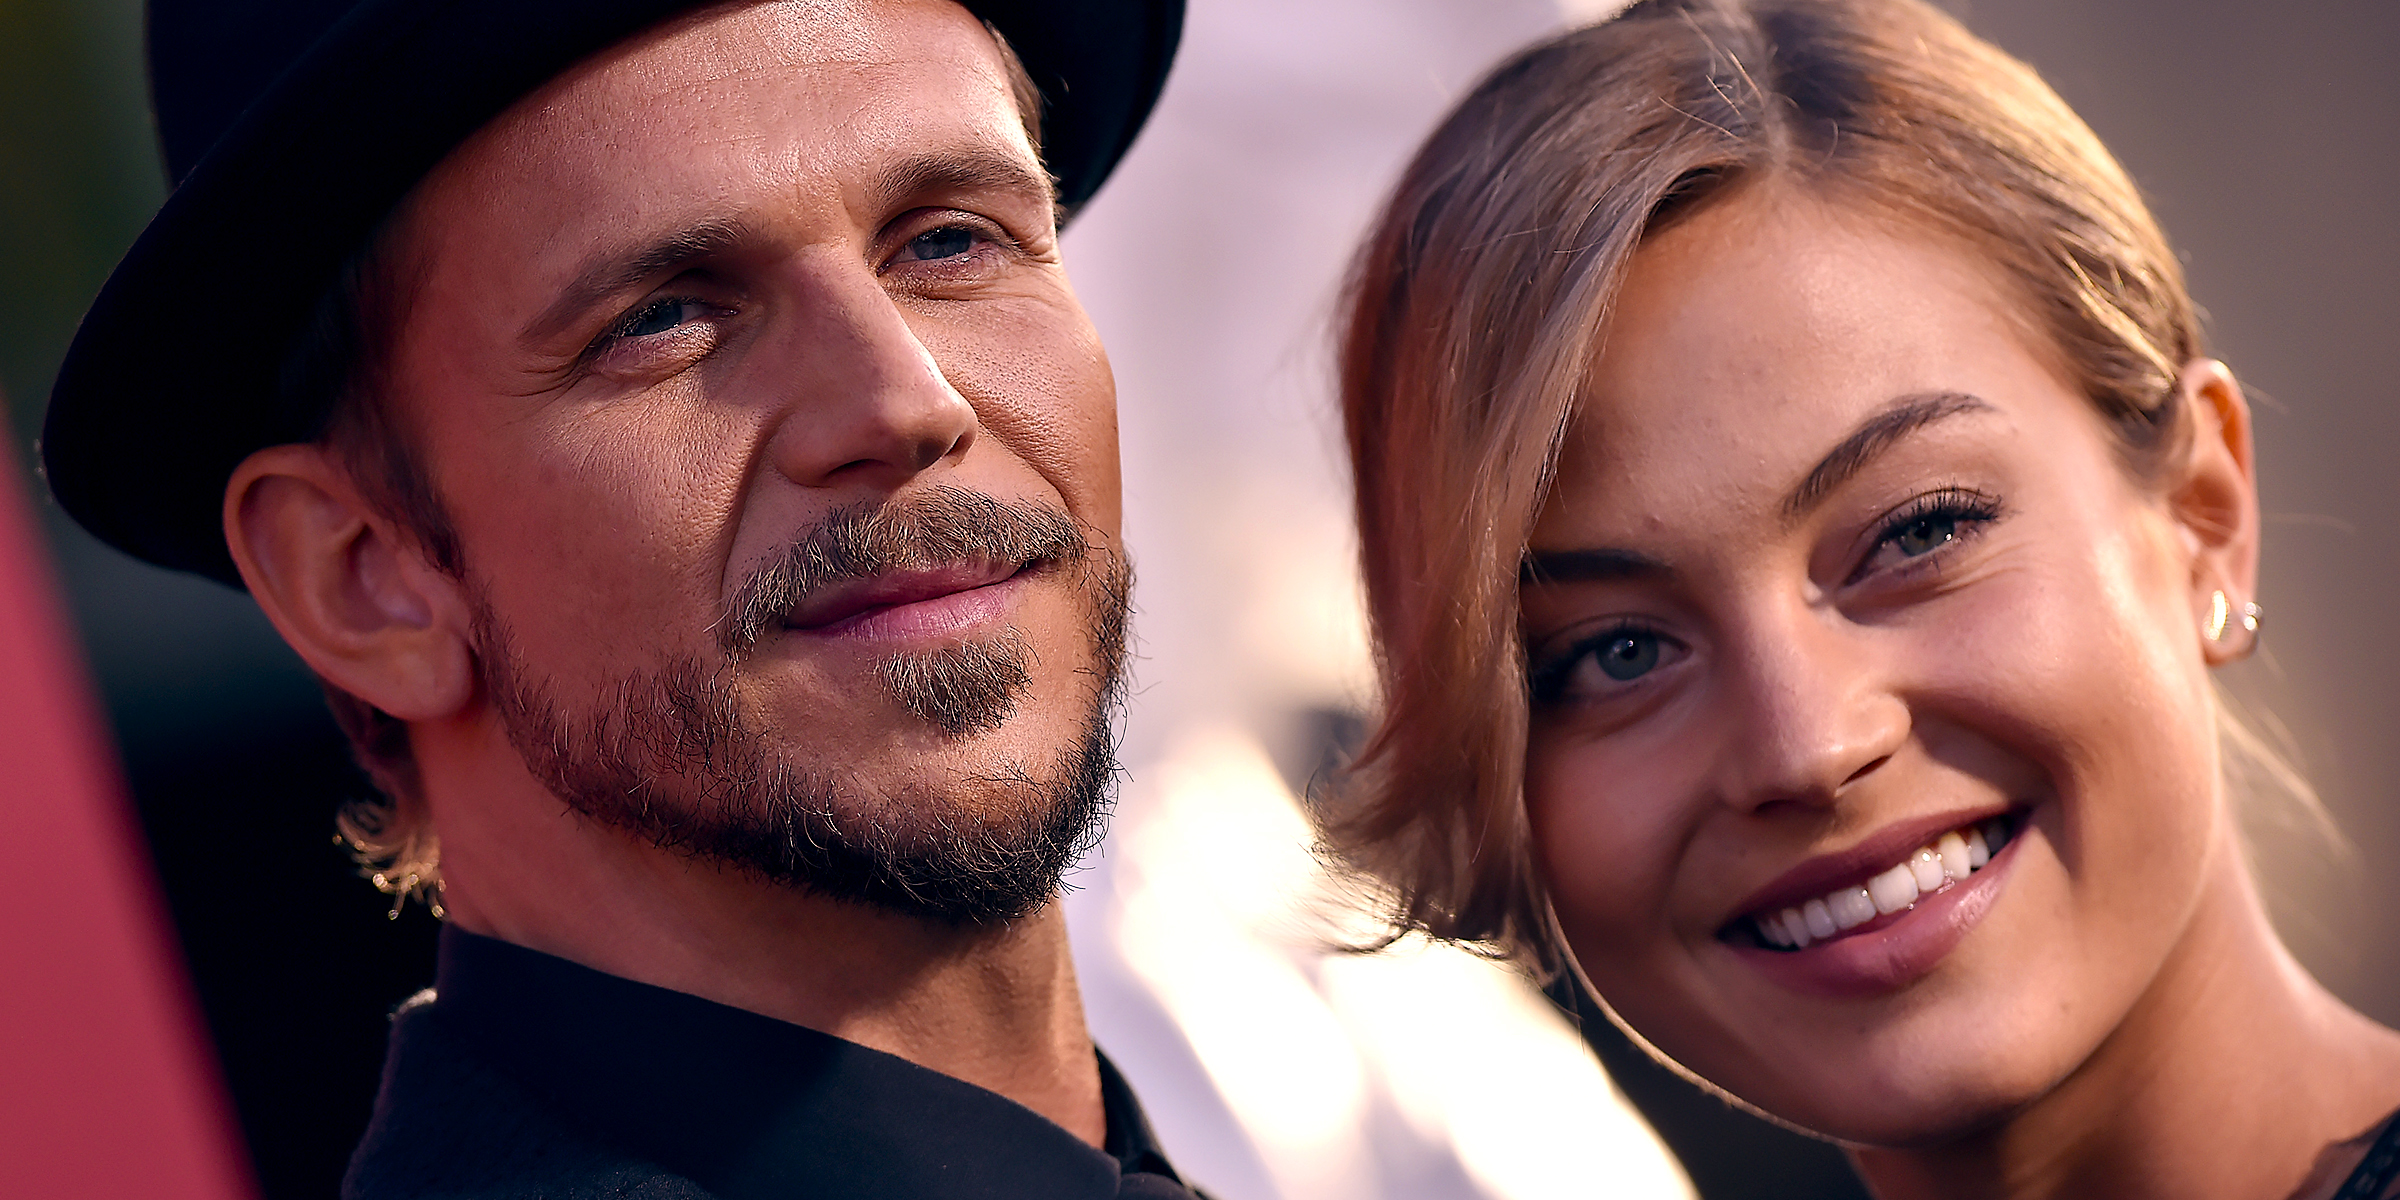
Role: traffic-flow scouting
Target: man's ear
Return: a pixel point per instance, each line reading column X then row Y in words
column 355, row 596
column 2215, row 500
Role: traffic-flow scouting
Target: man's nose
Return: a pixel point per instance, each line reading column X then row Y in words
column 1815, row 712
column 866, row 403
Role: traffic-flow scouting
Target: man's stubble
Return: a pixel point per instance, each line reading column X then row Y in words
column 669, row 754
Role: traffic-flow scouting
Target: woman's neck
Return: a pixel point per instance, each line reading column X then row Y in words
column 2225, row 1082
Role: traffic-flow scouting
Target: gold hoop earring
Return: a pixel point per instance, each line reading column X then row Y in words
column 2220, row 616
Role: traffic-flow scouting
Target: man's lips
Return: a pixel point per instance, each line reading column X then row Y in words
column 838, row 607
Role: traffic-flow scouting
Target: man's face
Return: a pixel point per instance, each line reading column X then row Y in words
column 781, row 456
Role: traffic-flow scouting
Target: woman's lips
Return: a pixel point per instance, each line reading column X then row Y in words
column 1938, row 863
column 908, row 604
column 1893, row 942
column 1885, row 848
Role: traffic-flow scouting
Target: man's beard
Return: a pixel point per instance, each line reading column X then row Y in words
column 669, row 755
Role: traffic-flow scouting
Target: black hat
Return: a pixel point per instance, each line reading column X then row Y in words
column 291, row 127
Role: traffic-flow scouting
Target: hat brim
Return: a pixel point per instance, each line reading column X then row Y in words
column 174, row 376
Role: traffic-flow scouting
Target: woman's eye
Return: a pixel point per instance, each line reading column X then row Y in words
column 933, row 245
column 1926, row 534
column 1927, row 526
column 1627, row 656
column 1601, row 666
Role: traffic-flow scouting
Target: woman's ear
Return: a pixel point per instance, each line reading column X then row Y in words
column 2215, row 501
column 355, row 597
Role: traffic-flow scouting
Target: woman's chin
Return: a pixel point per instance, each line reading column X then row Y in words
column 1913, row 1029
column 1910, row 1076
column 1869, row 1114
column 1926, row 1080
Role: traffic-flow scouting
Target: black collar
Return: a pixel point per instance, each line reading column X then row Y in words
column 748, row 1106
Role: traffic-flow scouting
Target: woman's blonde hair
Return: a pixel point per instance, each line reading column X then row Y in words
column 1479, row 299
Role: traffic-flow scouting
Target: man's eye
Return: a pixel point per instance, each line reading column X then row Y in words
column 665, row 316
column 950, row 241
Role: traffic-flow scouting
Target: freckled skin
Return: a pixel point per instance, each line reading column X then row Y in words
column 1813, row 690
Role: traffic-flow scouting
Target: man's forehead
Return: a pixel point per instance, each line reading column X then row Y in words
column 809, row 101
column 721, row 43
column 787, row 87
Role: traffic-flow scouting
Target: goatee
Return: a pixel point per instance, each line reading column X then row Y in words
column 668, row 754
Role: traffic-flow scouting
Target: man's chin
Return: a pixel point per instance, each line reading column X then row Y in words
column 974, row 847
column 961, row 790
column 963, row 829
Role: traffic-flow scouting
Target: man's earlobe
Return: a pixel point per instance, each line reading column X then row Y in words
column 2215, row 500
column 345, row 587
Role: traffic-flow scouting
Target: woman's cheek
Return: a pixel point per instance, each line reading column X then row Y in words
column 1599, row 839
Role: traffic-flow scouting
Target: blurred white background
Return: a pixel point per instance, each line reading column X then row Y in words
column 1273, row 1068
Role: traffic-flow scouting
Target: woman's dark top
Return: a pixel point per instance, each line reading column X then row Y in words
column 2368, row 1167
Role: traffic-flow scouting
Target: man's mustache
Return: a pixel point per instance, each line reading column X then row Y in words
column 938, row 526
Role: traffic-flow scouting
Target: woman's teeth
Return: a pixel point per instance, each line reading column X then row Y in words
column 1947, row 859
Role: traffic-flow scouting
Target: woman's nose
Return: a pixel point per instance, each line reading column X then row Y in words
column 1815, row 712
column 866, row 403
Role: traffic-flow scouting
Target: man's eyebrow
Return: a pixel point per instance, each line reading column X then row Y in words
column 1586, row 566
column 967, row 169
column 1873, row 436
column 609, row 273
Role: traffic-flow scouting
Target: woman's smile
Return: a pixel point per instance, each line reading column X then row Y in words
column 1800, row 521
column 1882, row 929
column 1834, row 619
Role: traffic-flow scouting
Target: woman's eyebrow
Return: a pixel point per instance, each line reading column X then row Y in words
column 1873, row 436
column 1586, row 566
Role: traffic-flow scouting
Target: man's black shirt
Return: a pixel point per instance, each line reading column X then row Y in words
column 528, row 1075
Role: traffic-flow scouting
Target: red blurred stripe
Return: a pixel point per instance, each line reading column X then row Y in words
column 106, row 1086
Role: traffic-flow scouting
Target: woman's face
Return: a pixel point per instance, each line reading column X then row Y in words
column 1840, row 568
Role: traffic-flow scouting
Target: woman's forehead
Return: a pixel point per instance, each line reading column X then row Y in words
column 1753, row 337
